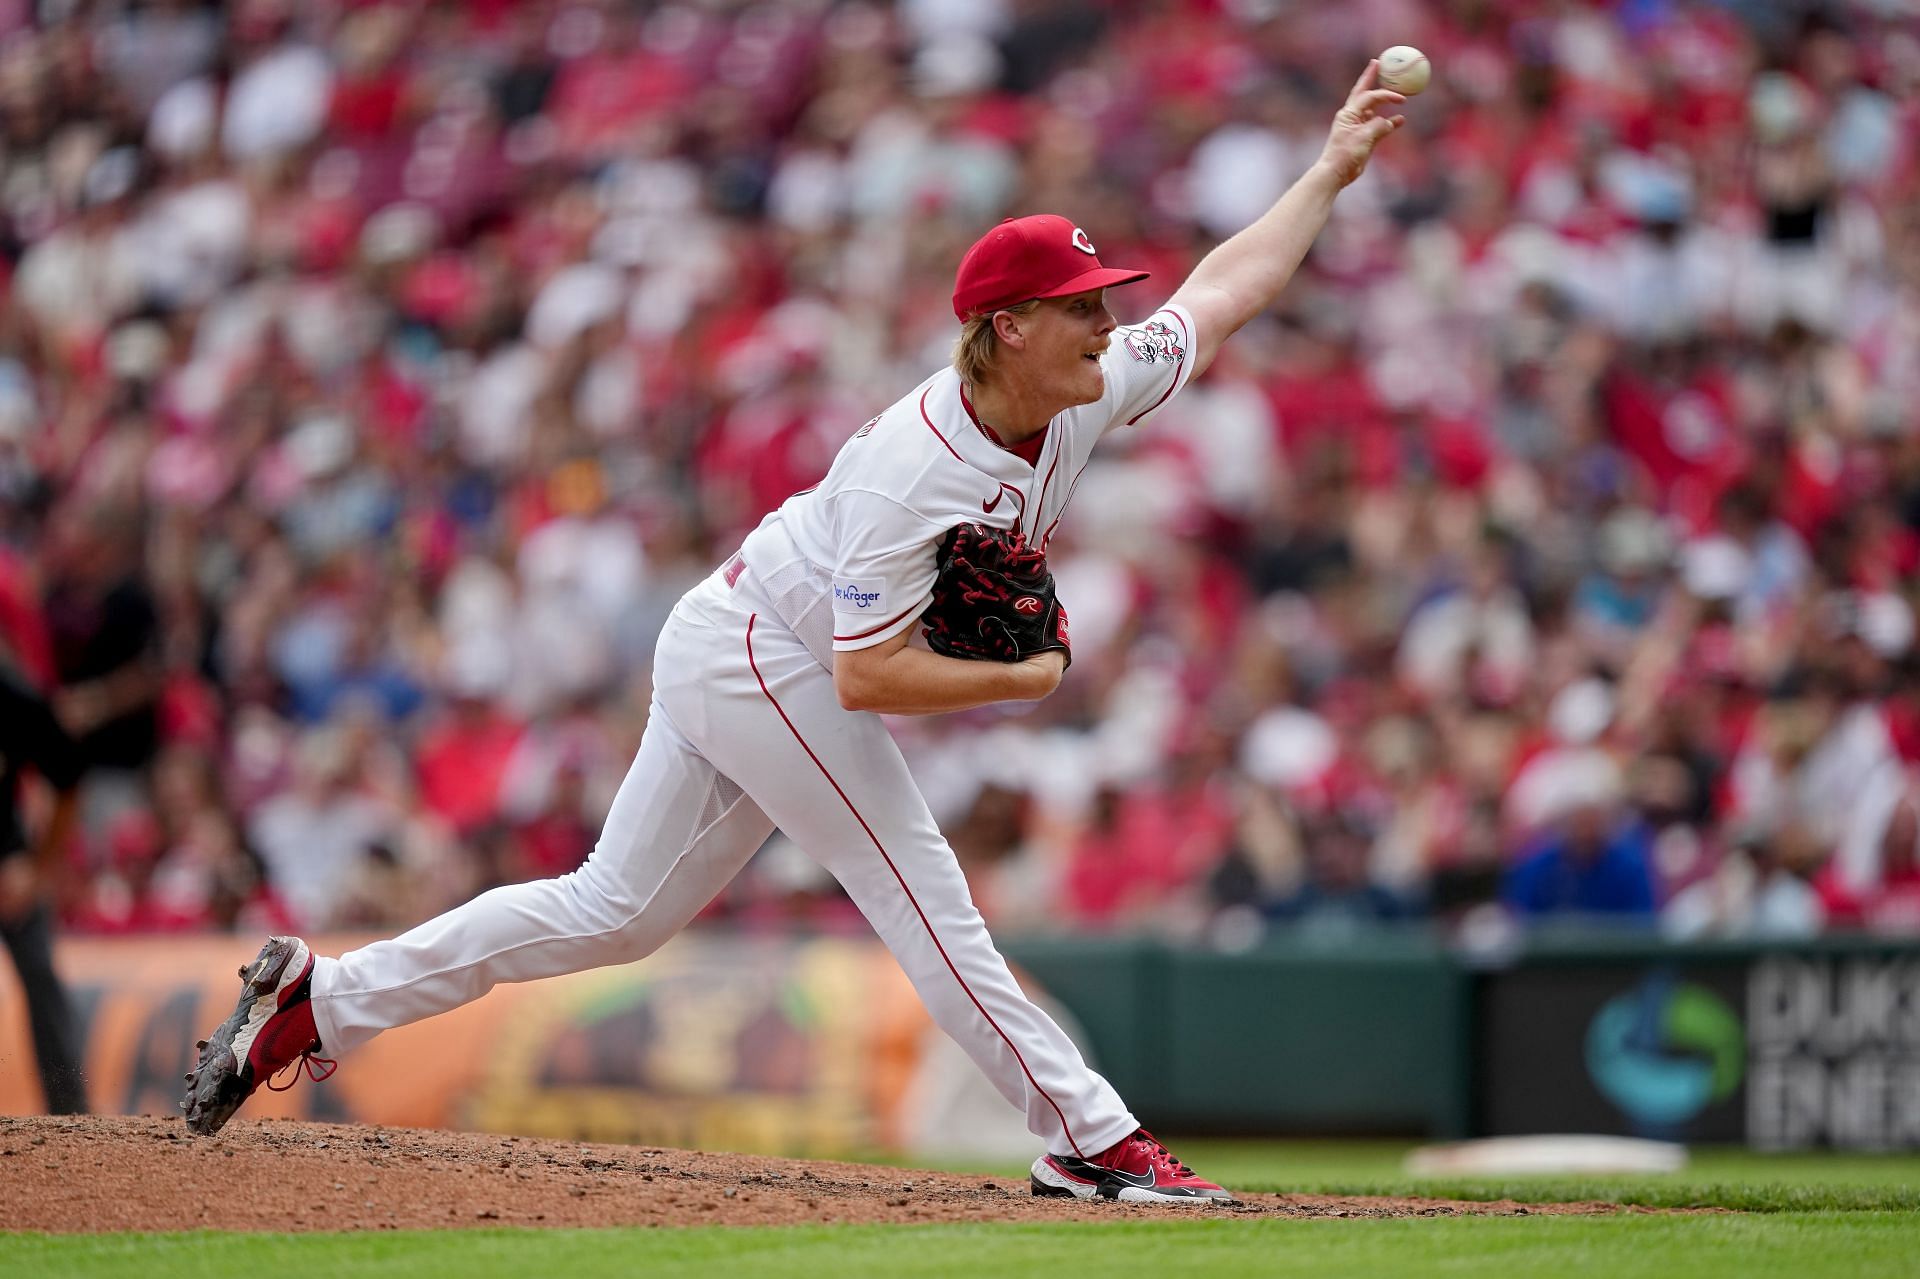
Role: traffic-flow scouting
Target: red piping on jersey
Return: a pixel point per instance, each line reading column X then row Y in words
column 1040, row 507
column 1033, row 443
column 1018, row 497
column 936, row 430
column 1071, row 489
column 911, row 900
column 984, row 429
column 1183, row 363
column 967, row 404
column 1074, row 487
column 874, row 630
column 1047, row 539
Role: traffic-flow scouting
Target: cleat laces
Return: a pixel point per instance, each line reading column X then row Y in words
column 1161, row 1155
column 311, row 1062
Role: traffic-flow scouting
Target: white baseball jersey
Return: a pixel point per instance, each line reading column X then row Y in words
column 746, row 732
column 850, row 562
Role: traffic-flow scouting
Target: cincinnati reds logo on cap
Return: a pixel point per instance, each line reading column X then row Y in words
column 1027, row 604
column 1042, row 256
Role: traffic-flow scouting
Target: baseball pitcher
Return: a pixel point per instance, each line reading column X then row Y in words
column 771, row 676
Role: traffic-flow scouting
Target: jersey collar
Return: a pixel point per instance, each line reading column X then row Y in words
column 1036, row 442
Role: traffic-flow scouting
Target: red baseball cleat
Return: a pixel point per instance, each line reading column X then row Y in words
column 1136, row 1170
column 271, row 1029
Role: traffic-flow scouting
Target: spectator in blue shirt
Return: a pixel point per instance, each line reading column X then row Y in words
column 1594, row 864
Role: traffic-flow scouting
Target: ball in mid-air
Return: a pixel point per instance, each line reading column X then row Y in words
column 1404, row 69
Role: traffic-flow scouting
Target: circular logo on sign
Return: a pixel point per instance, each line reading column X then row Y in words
column 1026, row 604
column 1081, row 242
column 1665, row 1051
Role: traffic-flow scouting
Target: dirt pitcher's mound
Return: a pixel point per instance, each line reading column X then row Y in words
column 115, row 1173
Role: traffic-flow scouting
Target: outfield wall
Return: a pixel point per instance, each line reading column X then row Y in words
column 1371, row 1038
column 819, row 1046
column 1777, row 1048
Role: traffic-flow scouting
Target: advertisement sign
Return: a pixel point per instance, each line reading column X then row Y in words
column 1834, row 1052
column 781, row 1045
column 1639, row 1050
column 1777, row 1051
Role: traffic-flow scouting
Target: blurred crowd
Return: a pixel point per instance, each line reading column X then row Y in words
column 374, row 377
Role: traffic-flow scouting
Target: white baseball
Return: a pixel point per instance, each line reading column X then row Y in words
column 1404, row 69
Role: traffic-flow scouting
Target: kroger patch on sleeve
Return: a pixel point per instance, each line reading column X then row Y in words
column 863, row 597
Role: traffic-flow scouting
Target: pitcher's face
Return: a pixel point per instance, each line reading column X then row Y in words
column 1066, row 337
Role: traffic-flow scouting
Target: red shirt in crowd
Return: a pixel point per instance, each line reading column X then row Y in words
column 461, row 762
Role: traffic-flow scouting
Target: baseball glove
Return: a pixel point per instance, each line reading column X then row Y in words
column 993, row 598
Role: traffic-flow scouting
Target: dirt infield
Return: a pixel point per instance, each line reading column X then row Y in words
column 100, row 1173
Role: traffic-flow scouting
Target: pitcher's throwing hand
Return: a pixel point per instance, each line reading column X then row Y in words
column 1359, row 125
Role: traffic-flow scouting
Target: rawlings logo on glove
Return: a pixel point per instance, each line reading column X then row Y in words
column 993, row 598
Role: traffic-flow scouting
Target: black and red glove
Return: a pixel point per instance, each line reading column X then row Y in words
column 993, row 598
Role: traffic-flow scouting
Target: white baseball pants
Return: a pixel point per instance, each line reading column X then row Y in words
column 746, row 733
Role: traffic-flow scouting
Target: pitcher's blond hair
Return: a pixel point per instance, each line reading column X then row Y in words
column 974, row 353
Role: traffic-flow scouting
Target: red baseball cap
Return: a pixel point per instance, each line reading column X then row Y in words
column 1042, row 256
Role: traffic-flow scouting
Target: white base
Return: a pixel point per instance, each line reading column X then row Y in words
column 1560, row 1153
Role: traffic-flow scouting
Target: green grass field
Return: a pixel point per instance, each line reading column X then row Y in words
column 1807, row 1216
column 1714, row 1178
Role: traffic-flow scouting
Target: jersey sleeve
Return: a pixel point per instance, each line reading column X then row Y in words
column 883, row 568
column 1145, row 364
